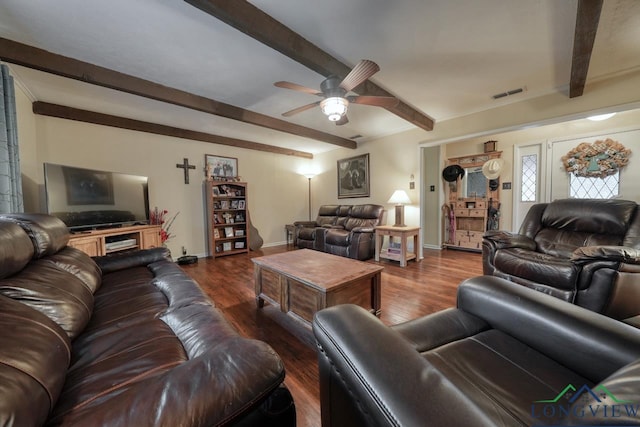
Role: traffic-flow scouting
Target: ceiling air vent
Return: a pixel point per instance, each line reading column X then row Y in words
column 355, row 136
column 508, row 93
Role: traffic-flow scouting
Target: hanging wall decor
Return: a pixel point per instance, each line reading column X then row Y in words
column 597, row 160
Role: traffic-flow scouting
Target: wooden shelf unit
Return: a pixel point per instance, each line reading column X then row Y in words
column 227, row 218
column 470, row 212
column 95, row 242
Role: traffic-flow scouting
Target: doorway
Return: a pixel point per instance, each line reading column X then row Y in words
column 529, row 179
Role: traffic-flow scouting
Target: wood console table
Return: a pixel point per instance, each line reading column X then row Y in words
column 96, row 242
column 403, row 233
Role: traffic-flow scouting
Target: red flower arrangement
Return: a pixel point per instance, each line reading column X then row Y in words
column 158, row 217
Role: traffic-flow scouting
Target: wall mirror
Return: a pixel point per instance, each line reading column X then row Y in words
column 474, row 183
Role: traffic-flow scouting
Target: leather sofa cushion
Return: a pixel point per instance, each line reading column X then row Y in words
column 47, row 233
column 79, row 264
column 54, row 292
column 337, row 237
column 568, row 224
column 16, row 249
column 538, row 267
column 306, row 233
column 610, row 217
column 563, row 242
column 475, row 367
column 167, row 353
column 29, row 383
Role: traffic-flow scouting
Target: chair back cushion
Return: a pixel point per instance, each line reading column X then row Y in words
column 327, row 215
column 16, row 249
column 47, row 233
column 568, row 224
column 343, row 215
column 364, row 216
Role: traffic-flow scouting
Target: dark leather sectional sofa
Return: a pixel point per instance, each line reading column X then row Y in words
column 345, row 230
column 506, row 356
column 583, row 251
column 129, row 340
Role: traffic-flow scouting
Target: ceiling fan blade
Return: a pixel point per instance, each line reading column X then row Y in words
column 343, row 120
column 299, row 88
column 378, row 101
column 301, row 109
column 361, row 72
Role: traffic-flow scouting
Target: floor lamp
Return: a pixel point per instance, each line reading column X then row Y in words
column 309, row 176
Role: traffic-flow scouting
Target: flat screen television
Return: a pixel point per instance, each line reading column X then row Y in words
column 88, row 199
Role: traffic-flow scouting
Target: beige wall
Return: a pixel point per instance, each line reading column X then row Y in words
column 277, row 193
column 558, row 139
column 277, row 190
column 392, row 161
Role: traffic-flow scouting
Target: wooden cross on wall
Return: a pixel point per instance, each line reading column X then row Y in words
column 186, row 166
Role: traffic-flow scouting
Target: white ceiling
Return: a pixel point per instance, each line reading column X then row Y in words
column 444, row 57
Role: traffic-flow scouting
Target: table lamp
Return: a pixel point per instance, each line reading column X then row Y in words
column 399, row 198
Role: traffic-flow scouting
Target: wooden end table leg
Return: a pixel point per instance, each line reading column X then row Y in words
column 378, row 246
column 376, row 303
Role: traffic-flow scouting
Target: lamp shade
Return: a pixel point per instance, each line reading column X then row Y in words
column 399, row 197
column 334, row 108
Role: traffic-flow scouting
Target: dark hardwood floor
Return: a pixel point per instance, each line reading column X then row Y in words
column 420, row 288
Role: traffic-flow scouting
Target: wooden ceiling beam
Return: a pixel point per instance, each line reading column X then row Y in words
column 587, row 19
column 70, row 113
column 252, row 21
column 39, row 59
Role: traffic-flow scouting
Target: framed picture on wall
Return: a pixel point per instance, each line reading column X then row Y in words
column 353, row 177
column 220, row 167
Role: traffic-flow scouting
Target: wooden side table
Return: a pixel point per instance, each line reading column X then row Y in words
column 403, row 233
column 290, row 233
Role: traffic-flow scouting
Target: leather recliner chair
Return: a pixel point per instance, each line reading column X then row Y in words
column 356, row 238
column 343, row 230
column 328, row 216
column 583, row 251
column 505, row 356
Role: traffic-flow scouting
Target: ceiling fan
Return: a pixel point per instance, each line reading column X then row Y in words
column 335, row 101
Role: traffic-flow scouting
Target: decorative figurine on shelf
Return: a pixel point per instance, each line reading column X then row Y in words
column 228, row 218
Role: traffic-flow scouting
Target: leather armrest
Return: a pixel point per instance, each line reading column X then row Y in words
column 624, row 254
column 305, row 224
column 592, row 344
column 504, row 239
column 362, row 355
column 122, row 260
column 362, row 230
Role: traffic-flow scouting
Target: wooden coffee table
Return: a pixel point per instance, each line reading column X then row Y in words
column 304, row 281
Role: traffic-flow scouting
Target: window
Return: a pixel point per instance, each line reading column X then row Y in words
column 529, row 178
column 594, row 188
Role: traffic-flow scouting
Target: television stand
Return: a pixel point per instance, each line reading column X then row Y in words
column 115, row 239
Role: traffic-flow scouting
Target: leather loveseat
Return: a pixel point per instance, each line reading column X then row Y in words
column 345, row 230
column 506, row 356
column 128, row 340
column 583, row 251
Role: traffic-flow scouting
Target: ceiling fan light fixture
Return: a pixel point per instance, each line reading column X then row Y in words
column 334, row 107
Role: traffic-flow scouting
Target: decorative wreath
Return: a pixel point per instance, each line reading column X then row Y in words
column 597, row 160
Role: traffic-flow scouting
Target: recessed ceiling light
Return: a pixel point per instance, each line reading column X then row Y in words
column 600, row 117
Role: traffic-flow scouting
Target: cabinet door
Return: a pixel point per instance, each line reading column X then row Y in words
column 91, row 246
column 151, row 238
